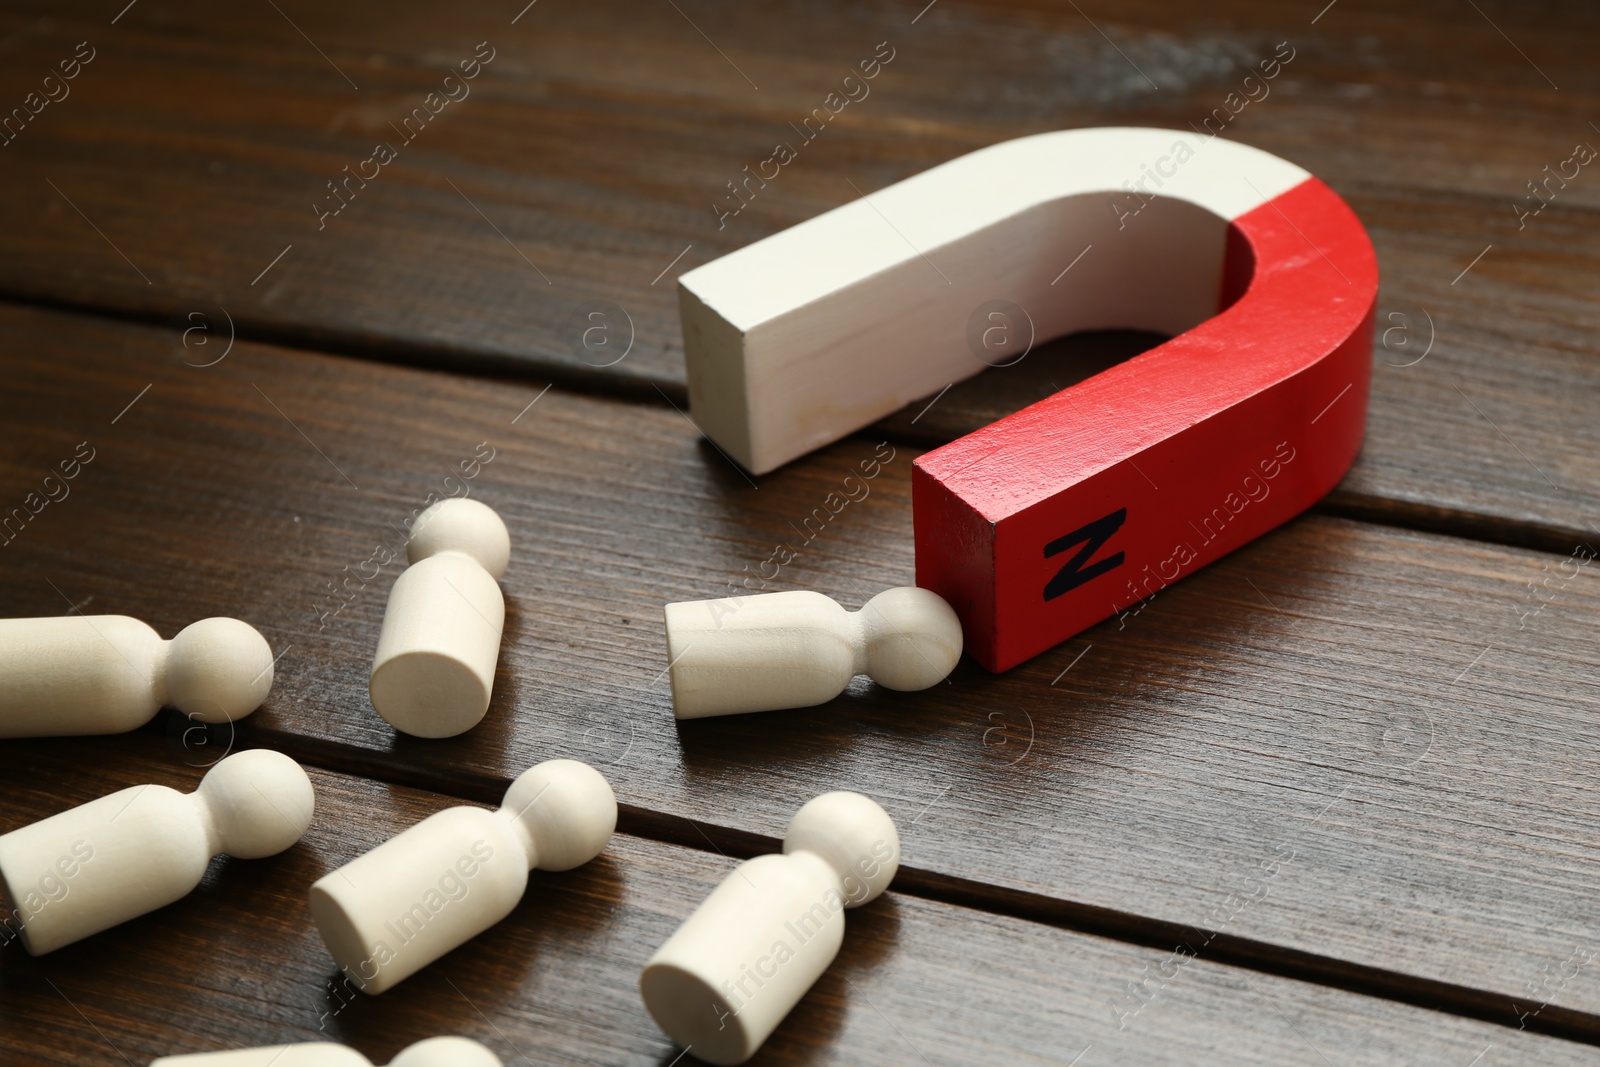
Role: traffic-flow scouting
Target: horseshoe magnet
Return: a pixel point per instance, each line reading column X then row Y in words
column 1080, row 505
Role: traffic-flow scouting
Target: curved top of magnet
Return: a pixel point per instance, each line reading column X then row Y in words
column 946, row 203
column 807, row 335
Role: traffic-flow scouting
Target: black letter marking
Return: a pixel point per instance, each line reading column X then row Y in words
column 1073, row 573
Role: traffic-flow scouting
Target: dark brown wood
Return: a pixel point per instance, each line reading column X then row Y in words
column 1391, row 712
column 238, row 964
column 589, row 156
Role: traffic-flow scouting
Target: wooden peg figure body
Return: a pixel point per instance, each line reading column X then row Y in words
column 434, row 1052
column 106, row 674
column 393, row 911
column 800, row 648
column 736, row 967
column 434, row 669
column 139, row 849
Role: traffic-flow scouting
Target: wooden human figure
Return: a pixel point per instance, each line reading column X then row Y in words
column 434, row 1052
column 796, row 649
column 393, row 911
column 105, row 674
column 728, row 976
column 139, row 849
column 434, row 668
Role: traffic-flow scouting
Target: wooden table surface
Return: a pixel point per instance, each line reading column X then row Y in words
column 1349, row 769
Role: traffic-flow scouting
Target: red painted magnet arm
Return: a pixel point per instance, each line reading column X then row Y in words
column 1202, row 443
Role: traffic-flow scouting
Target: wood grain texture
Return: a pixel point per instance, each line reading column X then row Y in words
column 585, row 165
column 1391, row 712
column 239, row 964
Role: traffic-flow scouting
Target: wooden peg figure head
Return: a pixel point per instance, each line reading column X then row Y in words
column 218, row 670
column 462, row 525
column 911, row 637
column 854, row 836
column 566, row 810
column 260, row 803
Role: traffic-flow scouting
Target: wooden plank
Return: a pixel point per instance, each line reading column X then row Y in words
column 239, row 963
column 1394, row 711
column 196, row 143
